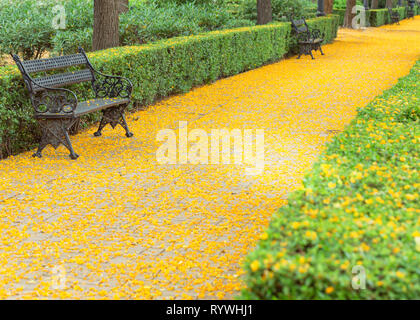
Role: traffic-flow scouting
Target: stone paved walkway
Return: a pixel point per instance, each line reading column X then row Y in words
column 116, row 224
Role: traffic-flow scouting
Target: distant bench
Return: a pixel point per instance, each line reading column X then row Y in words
column 410, row 12
column 394, row 16
column 58, row 110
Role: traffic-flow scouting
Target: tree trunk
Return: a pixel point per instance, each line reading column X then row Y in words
column 389, row 3
column 105, row 24
column 264, row 12
column 122, row 6
column 374, row 4
column 348, row 17
column 328, row 5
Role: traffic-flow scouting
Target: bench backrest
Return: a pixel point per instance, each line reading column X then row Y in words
column 300, row 25
column 56, row 80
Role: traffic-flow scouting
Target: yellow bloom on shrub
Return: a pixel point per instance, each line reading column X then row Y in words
column 410, row 196
column 255, row 265
column 331, row 185
column 329, row 290
column 295, row 225
column 365, row 247
column 311, row 235
column 264, row 236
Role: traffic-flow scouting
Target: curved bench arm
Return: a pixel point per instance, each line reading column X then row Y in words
column 53, row 100
column 108, row 86
column 304, row 36
column 316, row 33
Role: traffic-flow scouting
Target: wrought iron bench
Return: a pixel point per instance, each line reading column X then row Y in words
column 57, row 109
column 308, row 39
column 410, row 12
column 394, row 16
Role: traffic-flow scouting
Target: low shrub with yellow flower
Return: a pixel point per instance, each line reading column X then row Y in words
column 359, row 207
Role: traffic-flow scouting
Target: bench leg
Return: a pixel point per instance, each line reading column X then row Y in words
column 310, row 52
column 303, row 50
column 56, row 132
column 320, row 49
column 123, row 123
column 69, row 146
column 102, row 124
column 114, row 116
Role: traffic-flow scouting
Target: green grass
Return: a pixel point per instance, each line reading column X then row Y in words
column 359, row 206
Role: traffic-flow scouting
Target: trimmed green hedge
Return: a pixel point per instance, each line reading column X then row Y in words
column 359, row 207
column 380, row 17
column 157, row 70
column 340, row 13
column 377, row 17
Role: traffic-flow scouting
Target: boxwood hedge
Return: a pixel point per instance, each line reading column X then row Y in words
column 158, row 70
column 357, row 213
column 377, row 17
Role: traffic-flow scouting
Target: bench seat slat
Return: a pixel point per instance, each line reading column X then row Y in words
column 62, row 79
column 86, row 107
column 53, row 63
column 312, row 41
column 89, row 106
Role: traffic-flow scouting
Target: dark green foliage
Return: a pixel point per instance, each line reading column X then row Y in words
column 283, row 10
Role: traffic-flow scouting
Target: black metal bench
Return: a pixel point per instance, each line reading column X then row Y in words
column 394, row 16
column 58, row 110
column 410, row 12
column 308, row 39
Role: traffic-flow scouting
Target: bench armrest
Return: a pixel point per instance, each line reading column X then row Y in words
column 303, row 36
column 316, row 33
column 109, row 86
column 53, row 100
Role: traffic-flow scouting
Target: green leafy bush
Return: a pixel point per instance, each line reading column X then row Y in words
column 359, row 207
column 66, row 42
column 158, row 70
column 283, row 10
column 341, row 13
column 20, row 32
column 147, row 22
column 376, row 17
column 341, row 4
column 379, row 17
